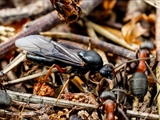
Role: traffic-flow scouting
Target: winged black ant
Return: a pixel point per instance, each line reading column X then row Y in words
column 47, row 52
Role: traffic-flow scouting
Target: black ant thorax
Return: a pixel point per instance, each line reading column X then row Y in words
column 92, row 59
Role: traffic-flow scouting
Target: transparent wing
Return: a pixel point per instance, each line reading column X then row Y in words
column 42, row 46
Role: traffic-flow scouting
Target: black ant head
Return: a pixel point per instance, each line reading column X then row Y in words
column 108, row 95
column 148, row 45
column 107, row 71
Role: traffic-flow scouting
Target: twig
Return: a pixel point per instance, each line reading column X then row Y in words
column 30, row 114
column 10, row 15
column 15, row 62
column 10, row 75
column 107, row 47
column 28, row 105
column 29, row 77
column 24, row 97
column 142, row 115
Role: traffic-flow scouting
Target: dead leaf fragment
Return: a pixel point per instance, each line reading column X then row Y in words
column 133, row 29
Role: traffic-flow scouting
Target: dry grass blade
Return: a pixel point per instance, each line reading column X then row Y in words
column 109, row 35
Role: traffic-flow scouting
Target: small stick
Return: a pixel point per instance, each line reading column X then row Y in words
column 28, row 77
column 10, row 75
column 107, row 47
column 25, row 97
column 28, row 105
column 142, row 115
column 33, row 9
column 18, row 115
column 15, row 62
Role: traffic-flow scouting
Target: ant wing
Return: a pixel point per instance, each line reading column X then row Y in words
column 42, row 46
column 72, row 48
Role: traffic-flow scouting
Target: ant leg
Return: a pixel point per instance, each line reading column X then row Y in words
column 155, row 65
column 156, row 95
column 1, row 79
column 60, row 69
column 80, row 84
column 137, row 53
column 154, row 77
column 124, row 115
column 65, row 85
column 49, row 72
column 125, row 78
